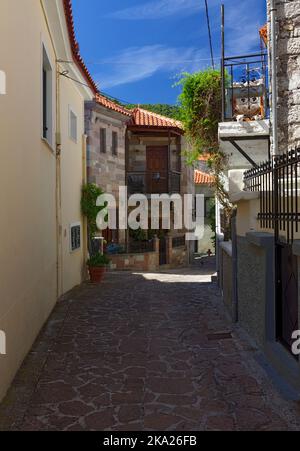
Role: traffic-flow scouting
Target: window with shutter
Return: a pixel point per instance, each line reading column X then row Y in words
column 47, row 98
column 75, row 237
column 102, row 140
column 114, row 143
column 72, row 125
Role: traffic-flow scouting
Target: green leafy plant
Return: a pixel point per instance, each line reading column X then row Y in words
column 211, row 217
column 138, row 235
column 98, row 260
column 90, row 194
column 200, row 112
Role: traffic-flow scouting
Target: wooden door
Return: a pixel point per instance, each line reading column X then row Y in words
column 287, row 294
column 157, row 170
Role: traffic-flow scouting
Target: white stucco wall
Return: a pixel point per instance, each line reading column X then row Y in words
column 34, row 240
column 27, row 187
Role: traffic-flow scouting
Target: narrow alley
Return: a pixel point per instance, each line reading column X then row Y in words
column 144, row 352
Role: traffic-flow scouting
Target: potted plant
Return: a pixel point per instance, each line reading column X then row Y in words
column 97, row 262
column 97, row 266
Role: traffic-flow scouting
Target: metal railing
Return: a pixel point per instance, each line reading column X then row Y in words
column 178, row 241
column 245, row 87
column 140, row 247
column 149, row 182
column 278, row 183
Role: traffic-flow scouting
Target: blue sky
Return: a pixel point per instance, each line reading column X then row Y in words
column 135, row 49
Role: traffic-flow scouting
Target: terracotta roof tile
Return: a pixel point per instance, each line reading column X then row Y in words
column 144, row 118
column 107, row 103
column 201, row 178
column 264, row 34
column 75, row 46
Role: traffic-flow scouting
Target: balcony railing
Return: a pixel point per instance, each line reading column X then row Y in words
column 153, row 182
column 178, row 241
column 245, row 87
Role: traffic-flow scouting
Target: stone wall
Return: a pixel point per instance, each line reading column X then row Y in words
column 179, row 257
column 226, row 280
column 253, row 288
column 105, row 169
column 137, row 159
column 135, row 262
column 288, row 75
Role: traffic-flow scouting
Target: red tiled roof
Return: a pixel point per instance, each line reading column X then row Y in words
column 104, row 101
column 144, row 118
column 75, row 46
column 201, row 178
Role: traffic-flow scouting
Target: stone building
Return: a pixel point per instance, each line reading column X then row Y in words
column 288, row 71
column 105, row 126
column 156, row 165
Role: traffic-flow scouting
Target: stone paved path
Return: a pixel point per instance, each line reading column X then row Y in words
column 140, row 352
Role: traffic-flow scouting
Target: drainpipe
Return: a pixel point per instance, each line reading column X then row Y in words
column 273, row 13
column 58, row 188
column 84, row 219
column 59, row 277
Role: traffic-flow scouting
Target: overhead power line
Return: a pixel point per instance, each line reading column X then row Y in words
column 209, row 36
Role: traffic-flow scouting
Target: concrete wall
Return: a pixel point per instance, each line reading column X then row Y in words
column 148, row 261
column 72, row 177
column 179, row 257
column 205, row 232
column 251, row 295
column 225, row 261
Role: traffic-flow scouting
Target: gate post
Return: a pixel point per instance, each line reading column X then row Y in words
column 156, row 249
column 169, row 244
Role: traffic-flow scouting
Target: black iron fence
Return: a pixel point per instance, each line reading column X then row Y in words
column 278, row 182
column 140, row 247
column 245, row 87
column 178, row 241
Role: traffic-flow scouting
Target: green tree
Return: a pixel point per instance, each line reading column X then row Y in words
column 171, row 111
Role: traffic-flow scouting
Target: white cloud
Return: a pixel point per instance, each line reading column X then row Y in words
column 138, row 63
column 157, row 9
column 242, row 27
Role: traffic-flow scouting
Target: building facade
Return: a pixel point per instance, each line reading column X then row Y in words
column 105, row 127
column 265, row 238
column 42, row 169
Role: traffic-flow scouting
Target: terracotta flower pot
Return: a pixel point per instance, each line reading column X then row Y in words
column 97, row 273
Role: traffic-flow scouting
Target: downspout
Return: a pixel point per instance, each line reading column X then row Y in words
column 273, row 13
column 84, row 219
column 57, row 176
column 58, row 188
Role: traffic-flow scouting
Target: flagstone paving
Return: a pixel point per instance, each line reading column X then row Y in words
column 140, row 352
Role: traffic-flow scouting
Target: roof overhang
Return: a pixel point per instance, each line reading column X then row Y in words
column 55, row 11
column 155, row 129
column 101, row 109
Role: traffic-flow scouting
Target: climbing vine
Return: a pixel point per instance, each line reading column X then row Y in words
column 200, row 110
column 89, row 196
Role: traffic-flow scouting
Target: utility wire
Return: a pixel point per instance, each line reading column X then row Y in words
column 65, row 74
column 209, row 36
